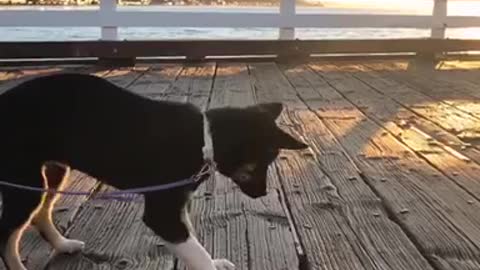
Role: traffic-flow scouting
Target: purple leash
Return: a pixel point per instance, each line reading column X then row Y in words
column 126, row 195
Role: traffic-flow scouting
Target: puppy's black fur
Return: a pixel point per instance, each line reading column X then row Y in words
column 127, row 140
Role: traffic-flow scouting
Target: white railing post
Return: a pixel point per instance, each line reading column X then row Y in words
column 440, row 10
column 107, row 10
column 287, row 11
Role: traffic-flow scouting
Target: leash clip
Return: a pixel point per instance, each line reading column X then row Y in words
column 207, row 169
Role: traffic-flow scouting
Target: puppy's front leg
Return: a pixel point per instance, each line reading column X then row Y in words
column 194, row 255
column 174, row 227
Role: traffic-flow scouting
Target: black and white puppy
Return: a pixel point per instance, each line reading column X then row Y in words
column 57, row 122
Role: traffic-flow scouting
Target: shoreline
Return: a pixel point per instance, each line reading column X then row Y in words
column 245, row 4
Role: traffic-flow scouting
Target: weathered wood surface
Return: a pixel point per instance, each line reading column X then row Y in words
column 443, row 149
column 341, row 221
column 413, row 105
column 433, row 210
column 389, row 182
column 446, row 99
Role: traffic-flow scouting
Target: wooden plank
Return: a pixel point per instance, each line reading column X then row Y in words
column 459, row 99
column 5, row 76
column 407, row 97
column 200, row 48
column 432, row 210
column 156, row 80
column 464, row 71
column 342, row 223
column 193, row 81
column 233, row 87
column 113, row 231
column 253, row 234
column 441, row 86
column 467, row 75
column 448, row 154
column 460, row 65
column 126, row 76
column 453, row 88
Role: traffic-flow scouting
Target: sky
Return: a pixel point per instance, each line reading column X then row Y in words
column 378, row 4
column 455, row 7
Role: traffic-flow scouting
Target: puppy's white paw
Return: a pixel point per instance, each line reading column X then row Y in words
column 223, row 264
column 69, row 246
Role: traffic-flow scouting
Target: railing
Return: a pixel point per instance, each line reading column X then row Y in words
column 287, row 19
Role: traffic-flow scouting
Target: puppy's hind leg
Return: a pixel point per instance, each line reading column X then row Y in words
column 15, row 216
column 55, row 176
column 18, row 206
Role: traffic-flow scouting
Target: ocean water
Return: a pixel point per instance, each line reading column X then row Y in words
column 146, row 33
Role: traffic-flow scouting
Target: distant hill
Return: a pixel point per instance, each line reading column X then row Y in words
column 230, row 2
column 161, row 2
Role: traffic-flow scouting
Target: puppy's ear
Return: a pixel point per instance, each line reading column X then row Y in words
column 274, row 109
column 286, row 141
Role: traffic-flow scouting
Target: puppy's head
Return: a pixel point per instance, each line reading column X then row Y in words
column 246, row 141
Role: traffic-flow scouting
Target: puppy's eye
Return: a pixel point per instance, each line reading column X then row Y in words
column 249, row 167
column 243, row 177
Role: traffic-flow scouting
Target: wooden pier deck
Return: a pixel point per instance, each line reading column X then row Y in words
column 391, row 181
